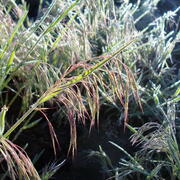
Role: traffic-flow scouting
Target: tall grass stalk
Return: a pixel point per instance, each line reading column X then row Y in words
column 59, row 88
column 69, row 66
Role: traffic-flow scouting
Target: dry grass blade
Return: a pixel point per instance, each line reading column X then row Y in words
column 19, row 164
column 59, row 88
column 73, row 141
column 52, row 133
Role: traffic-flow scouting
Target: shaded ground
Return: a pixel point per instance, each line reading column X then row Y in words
column 88, row 163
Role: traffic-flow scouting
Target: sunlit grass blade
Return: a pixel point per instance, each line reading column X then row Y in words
column 36, row 25
column 58, row 88
column 2, row 119
column 20, row 23
column 58, row 39
column 52, row 25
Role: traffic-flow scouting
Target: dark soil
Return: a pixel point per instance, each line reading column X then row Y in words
column 86, row 164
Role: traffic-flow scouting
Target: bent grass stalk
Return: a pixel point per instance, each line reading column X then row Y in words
column 57, row 88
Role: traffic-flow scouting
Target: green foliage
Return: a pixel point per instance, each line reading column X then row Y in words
column 81, row 55
column 2, row 119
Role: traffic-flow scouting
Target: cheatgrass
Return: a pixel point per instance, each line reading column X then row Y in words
column 80, row 55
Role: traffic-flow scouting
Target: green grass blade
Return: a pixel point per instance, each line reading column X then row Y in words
column 53, row 91
column 20, row 23
column 56, row 90
column 34, row 28
column 58, row 39
column 177, row 92
column 10, row 61
column 2, row 119
column 53, row 24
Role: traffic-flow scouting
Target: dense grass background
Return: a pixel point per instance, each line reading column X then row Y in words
column 95, row 65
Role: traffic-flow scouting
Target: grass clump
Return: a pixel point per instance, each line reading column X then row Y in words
column 80, row 55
